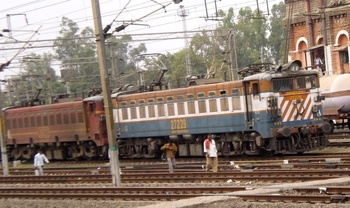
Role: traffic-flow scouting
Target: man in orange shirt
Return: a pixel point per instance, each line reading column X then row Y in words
column 211, row 154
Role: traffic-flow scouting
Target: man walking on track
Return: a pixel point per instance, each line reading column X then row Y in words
column 211, row 154
column 39, row 160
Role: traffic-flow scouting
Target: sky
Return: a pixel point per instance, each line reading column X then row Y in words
column 39, row 21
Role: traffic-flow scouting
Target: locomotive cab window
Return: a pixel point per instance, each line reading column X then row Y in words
column 282, row 85
column 306, row 82
column 255, row 90
column 91, row 107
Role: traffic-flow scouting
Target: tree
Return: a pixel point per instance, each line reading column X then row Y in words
column 37, row 74
column 77, row 54
column 278, row 35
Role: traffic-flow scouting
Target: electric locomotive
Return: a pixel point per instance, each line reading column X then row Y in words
column 272, row 110
column 70, row 128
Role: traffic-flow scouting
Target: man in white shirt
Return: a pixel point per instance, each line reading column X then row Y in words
column 211, row 154
column 39, row 160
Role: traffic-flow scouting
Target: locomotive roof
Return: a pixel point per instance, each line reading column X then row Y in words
column 272, row 74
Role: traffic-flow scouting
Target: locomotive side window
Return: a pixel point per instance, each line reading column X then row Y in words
column 142, row 108
column 52, row 119
column 45, row 119
column 8, row 122
column 133, row 109
column 26, row 120
column 201, row 102
column 20, row 121
column 65, row 117
column 282, row 85
column 14, row 122
column 151, row 111
column 180, row 105
column 170, row 105
column 306, row 82
column 32, row 120
column 212, row 101
column 190, row 104
column 124, row 110
column 236, row 103
column 38, row 120
column 161, row 109
column 223, row 100
column 73, row 117
column 59, row 117
column 80, row 116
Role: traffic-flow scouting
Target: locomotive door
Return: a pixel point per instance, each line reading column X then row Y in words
column 248, row 93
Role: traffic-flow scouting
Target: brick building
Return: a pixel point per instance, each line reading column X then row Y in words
column 319, row 28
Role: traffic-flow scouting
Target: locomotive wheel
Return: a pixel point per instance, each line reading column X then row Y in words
column 89, row 152
column 27, row 153
column 331, row 122
column 17, row 153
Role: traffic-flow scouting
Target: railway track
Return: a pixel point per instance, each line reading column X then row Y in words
column 123, row 193
column 194, row 177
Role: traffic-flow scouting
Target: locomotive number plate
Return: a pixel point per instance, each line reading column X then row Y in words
column 178, row 125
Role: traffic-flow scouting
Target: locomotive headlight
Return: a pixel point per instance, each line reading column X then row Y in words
column 294, row 68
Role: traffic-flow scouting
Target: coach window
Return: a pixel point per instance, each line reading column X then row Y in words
column 212, row 101
column 190, row 104
column 180, row 105
column 26, row 120
column 32, row 120
column 124, row 108
column 52, row 119
column 65, row 117
column 142, row 108
column 45, row 119
column 236, row 103
column 201, row 102
column 132, row 106
column 14, row 122
column 59, row 117
column 224, row 100
column 161, row 108
column 73, row 117
column 38, row 120
column 151, row 111
column 80, row 116
column 170, row 105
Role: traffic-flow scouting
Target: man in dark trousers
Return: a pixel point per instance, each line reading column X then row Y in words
column 170, row 151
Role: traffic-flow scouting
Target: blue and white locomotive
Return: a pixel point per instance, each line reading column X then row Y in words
column 272, row 110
